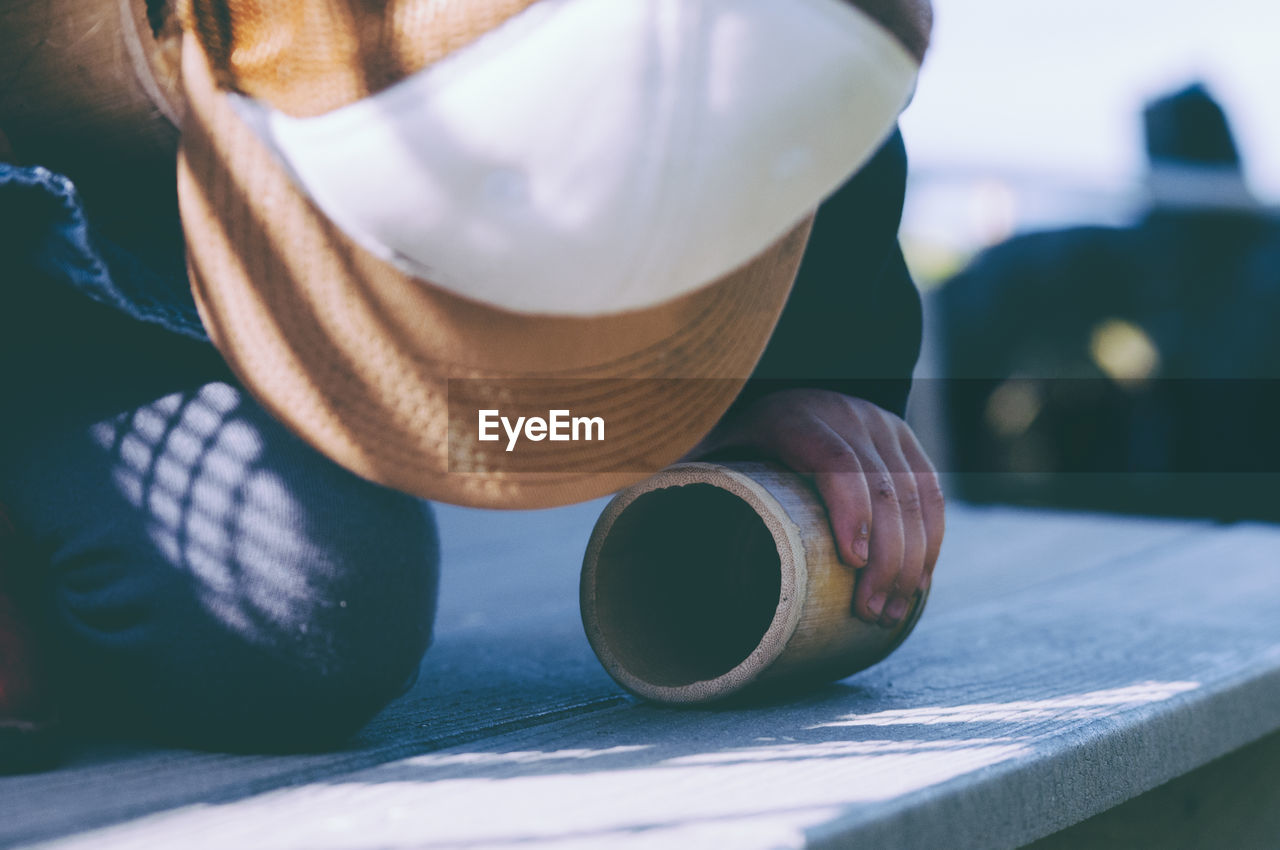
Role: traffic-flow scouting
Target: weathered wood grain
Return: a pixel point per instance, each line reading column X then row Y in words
column 1232, row 802
column 1067, row 663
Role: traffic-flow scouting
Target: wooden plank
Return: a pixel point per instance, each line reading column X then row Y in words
column 1232, row 802
column 1066, row 664
column 509, row 652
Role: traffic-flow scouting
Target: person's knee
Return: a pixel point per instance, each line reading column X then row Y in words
column 249, row 593
column 259, row 669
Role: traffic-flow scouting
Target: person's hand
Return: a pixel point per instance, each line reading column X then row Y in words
column 881, row 492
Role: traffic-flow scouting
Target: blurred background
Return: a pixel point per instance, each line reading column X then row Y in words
column 1093, row 214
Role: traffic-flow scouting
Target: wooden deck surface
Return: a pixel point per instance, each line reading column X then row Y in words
column 1066, row 663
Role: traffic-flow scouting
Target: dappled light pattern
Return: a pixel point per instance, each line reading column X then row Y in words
column 610, row 781
column 192, row 465
column 1075, row 707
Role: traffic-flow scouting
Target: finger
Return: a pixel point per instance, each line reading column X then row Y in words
column 913, row 536
column 815, row 450
column 875, row 583
column 898, row 585
column 888, row 432
column 932, row 506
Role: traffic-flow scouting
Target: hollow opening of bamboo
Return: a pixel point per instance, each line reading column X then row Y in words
column 687, row 584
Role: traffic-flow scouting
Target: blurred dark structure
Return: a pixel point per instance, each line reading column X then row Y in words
column 1132, row 369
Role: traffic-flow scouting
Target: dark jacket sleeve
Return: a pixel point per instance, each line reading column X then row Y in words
column 853, row 321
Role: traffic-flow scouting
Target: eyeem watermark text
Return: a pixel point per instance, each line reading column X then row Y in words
column 559, row 426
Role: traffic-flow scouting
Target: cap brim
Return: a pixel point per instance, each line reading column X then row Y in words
column 358, row 357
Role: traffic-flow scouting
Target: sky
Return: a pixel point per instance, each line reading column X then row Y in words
column 1050, row 92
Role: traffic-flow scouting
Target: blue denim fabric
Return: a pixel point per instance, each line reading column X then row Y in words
column 202, row 575
column 44, row 207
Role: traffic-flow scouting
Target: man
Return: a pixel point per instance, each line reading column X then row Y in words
column 1129, row 343
column 198, row 573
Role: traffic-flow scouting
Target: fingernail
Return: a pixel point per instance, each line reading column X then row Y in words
column 876, row 604
column 897, row 608
column 924, row 584
column 861, row 546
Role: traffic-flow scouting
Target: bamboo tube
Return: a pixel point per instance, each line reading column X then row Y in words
column 712, row 580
